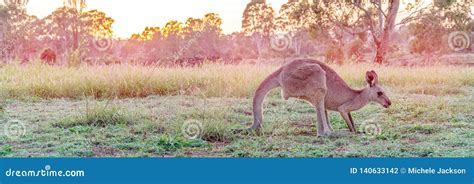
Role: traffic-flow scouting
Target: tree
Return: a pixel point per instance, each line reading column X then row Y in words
column 352, row 17
column 213, row 21
column 97, row 23
column 258, row 17
column 14, row 30
column 77, row 7
column 295, row 15
column 18, row 4
column 209, row 38
column 61, row 28
column 258, row 21
column 382, row 40
column 430, row 28
column 201, row 37
column 64, row 28
column 193, row 24
column 370, row 16
column 172, row 28
column 295, row 20
column 147, row 34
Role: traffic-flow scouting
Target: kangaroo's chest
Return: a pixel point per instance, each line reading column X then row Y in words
column 336, row 95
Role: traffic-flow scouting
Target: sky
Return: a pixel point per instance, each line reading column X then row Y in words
column 132, row 16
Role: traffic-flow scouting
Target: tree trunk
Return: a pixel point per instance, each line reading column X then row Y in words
column 380, row 54
column 75, row 32
column 382, row 47
column 257, row 38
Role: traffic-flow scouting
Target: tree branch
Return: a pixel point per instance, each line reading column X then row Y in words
column 378, row 5
column 413, row 17
column 371, row 21
column 345, row 27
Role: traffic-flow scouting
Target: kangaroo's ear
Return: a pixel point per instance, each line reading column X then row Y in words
column 371, row 78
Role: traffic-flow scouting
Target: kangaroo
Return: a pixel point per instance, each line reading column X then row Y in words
column 318, row 84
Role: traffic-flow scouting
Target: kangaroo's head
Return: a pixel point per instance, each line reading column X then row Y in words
column 376, row 92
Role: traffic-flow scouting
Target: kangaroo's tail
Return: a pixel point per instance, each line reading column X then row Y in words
column 268, row 84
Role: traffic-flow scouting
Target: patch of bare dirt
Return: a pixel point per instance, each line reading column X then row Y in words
column 103, row 151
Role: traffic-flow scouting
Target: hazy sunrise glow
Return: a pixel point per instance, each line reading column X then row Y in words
column 133, row 16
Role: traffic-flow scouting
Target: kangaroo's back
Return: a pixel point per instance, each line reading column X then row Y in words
column 338, row 91
column 331, row 76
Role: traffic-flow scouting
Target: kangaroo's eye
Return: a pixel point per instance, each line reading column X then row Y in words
column 380, row 93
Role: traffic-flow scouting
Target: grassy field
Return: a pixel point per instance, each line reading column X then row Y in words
column 135, row 111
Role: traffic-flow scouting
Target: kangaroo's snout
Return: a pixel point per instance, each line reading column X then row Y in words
column 388, row 103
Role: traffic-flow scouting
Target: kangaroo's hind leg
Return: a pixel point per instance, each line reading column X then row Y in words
column 318, row 102
column 323, row 126
column 329, row 122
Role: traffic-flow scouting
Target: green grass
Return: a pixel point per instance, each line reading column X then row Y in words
column 415, row 126
column 136, row 111
column 5, row 150
column 101, row 116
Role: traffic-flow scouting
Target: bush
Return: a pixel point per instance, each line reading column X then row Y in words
column 101, row 117
column 355, row 49
column 334, row 53
column 6, row 150
column 48, row 56
column 73, row 58
column 217, row 131
column 166, row 143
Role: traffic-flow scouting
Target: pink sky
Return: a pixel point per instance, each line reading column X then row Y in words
column 133, row 16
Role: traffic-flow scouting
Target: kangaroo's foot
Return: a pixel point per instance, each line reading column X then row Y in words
column 324, row 129
column 257, row 130
column 324, row 133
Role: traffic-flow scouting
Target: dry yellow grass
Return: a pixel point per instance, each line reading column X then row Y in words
column 208, row 81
